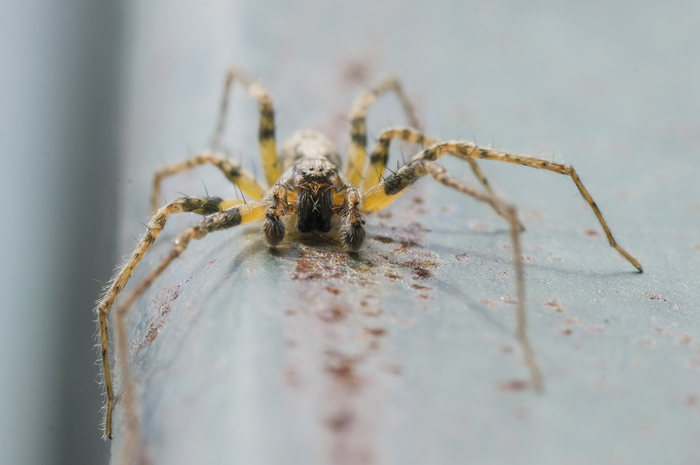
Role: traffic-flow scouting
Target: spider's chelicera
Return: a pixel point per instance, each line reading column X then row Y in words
column 308, row 183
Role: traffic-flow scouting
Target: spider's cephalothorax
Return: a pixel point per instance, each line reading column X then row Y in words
column 306, row 179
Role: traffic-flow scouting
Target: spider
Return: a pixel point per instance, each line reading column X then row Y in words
column 307, row 184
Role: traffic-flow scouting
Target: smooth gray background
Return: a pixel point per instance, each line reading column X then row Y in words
column 609, row 88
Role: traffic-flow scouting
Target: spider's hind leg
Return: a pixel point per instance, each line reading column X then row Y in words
column 266, row 133
column 393, row 186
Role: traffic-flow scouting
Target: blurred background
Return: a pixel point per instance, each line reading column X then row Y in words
column 95, row 95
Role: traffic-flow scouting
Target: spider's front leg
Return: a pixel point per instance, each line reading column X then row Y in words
column 380, row 155
column 393, row 186
column 226, row 219
column 352, row 228
column 199, row 205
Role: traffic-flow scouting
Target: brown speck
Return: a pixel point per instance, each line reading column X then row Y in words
column 554, row 304
column 463, row 258
column 340, row 421
column 211, row 262
column 572, row 321
column 514, row 385
column 164, row 308
column 333, row 290
column 684, row 340
column 488, row 303
column 342, row 368
column 333, row 314
column 505, row 349
column 566, row 331
column 654, row 296
column 420, row 288
column 595, row 329
column 591, row 233
column 378, row 332
column 644, row 342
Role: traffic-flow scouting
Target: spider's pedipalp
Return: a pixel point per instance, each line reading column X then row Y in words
column 352, row 228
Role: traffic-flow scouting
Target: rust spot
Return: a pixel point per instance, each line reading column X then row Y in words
column 333, row 314
column 420, row 268
column 654, row 296
column 342, row 369
column 566, row 331
column 392, row 276
column 554, row 304
column 591, row 233
column 595, row 329
column 333, row 290
column 156, row 325
column 514, row 385
column 488, row 303
column 644, row 342
column 322, row 265
column 341, row 421
column 420, row 288
column 378, row 332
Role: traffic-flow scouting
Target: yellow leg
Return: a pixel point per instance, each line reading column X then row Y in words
column 266, row 133
column 384, row 193
column 232, row 170
column 358, row 125
column 202, row 206
column 218, row 221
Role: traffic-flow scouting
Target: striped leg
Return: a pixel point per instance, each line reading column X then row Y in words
column 226, row 219
column 202, row 206
column 380, row 155
column 266, row 133
column 384, row 193
column 465, row 150
column 358, row 125
column 232, row 170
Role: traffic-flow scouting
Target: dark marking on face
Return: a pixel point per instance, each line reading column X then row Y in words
column 315, row 210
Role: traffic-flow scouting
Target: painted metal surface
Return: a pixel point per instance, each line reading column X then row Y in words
column 405, row 353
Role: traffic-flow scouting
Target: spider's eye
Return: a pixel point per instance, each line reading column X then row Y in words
column 311, row 169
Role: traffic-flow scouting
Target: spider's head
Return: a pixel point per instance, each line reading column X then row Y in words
column 315, row 180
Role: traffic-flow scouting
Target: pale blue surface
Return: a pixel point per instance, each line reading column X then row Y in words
column 239, row 372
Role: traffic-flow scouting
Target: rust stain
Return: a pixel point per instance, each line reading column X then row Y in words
column 654, row 296
column 514, row 385
column 592, row 233
column 171, row 294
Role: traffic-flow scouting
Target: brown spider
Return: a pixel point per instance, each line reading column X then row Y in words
column 307, row 184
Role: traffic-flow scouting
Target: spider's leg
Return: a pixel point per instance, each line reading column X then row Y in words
column 202, row 206
column 226, row 219
column 358, row 125
column 466, row 150
column 380, row 156
column 232, row 170
column 266, row 133
column 384, row 193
